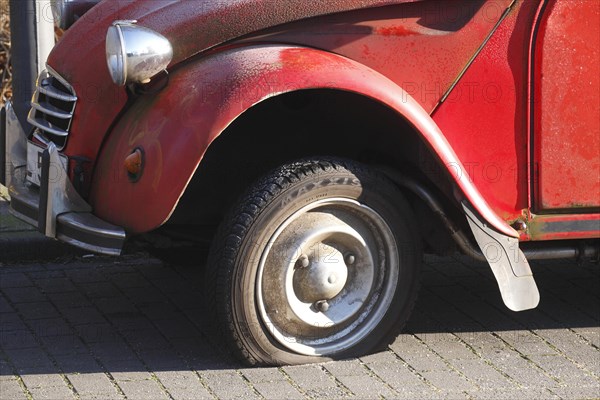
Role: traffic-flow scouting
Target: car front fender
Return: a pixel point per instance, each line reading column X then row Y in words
column 175, row 127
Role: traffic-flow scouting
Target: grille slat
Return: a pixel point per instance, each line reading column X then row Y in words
column 47, row 127
column 52, row 109
column 49, row 109
column 56, row 94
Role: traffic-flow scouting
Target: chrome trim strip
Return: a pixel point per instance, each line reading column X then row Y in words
column 47, row 127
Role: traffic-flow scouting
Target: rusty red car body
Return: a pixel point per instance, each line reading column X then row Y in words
column 498, row 98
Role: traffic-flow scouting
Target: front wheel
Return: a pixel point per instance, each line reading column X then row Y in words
column 318, row 261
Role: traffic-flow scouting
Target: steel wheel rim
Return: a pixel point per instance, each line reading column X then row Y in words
column 328, row 232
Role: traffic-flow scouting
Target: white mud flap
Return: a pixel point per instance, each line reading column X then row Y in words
column 509, row 265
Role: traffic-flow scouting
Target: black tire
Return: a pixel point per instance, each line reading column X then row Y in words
column 352, row 226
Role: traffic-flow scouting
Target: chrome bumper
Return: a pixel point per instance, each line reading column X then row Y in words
column 55, row 208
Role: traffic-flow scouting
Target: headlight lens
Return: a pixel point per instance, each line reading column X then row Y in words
column 135, row 54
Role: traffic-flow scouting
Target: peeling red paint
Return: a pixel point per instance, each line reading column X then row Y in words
column 395, row 31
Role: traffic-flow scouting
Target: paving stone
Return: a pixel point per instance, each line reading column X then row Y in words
column 309, row 375
column 483, row 375
column 55, row 285
column 366, row 387
column 183, row 384
column 130, row 322
column 143, row 390
column 99, row 290
column 128, row 280
column 112, row 351
column 10, row 321
column 10, row 389
column 81, row 363
column 68, row 300
column 172, row 285
column 381, row 357
column 186, row 299
column 565, row 371
column 132, row 364
column 577, row 392
column 502, row 394
column 573, row 347
column 449, row 347
column 14, row 280
column 18, row 340
column 31, row 361
column 88, row 275
column 346, row 368
column 100, row 396
column 160, row 311
column 278, row 390
column 132, row 376
column 424, row 361
column 145, row 296
column 162, row 360
column 83, row 315
column 327, row 392
column 97, row 333
column 192, row 392
column 591, row 334
column 262, row 375
column 114, row 305
column 5, row 307
column 146, row 340
column 24, row 294
column 228, row 385
column 93, row 384
column 64, row 345
column 509, row 362
column 6, row 369
column 50, row 327
column 449, row 381
column 39, row 310
column 47, row 386
column 402, row 380
column 159, row 272
column 46, row 273
column 177, row 328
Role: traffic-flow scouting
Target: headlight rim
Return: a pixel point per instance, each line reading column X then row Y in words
column 121, row 78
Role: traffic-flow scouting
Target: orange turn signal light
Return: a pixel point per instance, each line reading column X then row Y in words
column 134, row 163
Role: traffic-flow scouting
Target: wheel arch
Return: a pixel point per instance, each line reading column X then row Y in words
column 207, row 98
column 303, row 124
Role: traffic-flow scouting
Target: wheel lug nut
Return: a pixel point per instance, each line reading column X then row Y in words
column 321, row 305
column 350, row 259
column 302, row 261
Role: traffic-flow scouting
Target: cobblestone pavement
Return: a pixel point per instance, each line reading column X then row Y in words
column 99, row 328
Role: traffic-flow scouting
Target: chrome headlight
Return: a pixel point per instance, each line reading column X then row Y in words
column 135, row 54
column 66, row 12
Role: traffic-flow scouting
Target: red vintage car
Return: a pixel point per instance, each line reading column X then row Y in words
column 324, row 146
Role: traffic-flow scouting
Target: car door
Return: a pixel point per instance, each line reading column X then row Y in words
column 566, row 108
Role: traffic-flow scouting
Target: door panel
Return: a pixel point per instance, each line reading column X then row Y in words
column 566, row 112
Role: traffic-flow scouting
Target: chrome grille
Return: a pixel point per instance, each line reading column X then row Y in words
column 52, row 108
